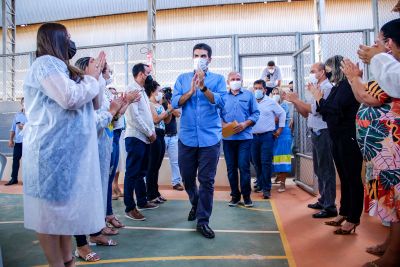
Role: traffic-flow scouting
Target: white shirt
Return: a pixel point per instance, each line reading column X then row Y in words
column 269, row 109
column 315, row 121
column 386, row 71
column 139, row 121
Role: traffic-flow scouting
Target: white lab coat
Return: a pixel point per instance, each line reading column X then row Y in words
column 103, row 119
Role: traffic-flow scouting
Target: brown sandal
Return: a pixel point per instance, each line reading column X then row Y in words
column 109, row 231
column 114, row 222
column 336, row 223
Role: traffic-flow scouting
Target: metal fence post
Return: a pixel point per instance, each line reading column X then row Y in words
column 235, row 53
column 126, row 59
column 367, row 41
column 31, row 57
column 375, row 16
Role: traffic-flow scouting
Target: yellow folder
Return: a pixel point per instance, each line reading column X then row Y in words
column 227, row 130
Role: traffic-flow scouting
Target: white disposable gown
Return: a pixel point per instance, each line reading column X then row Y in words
column 62, row 185
column 103, row 119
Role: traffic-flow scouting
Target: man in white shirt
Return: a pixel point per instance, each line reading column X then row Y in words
column 272, row 76
column 140, row 132
column 264, row 135
column 323, row 164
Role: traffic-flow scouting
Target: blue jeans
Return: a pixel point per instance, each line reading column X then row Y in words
column 237, row 155
column 171, row 145
column 261, row 153
column 113, row 168
column 201, row 162
column 136, row 169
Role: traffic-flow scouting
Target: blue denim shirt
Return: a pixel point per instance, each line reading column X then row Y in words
column 240, row 107
column 200, row 124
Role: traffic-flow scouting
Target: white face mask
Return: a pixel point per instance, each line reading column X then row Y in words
column 312, row 78
column 271, row 71
column 235, row 85
column 159, row 96
column 276, row 98
column 259, row 94
column 200, row 63
column 109, row 80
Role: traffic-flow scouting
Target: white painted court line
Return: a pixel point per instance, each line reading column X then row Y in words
column 11, row 222
column 193, row 230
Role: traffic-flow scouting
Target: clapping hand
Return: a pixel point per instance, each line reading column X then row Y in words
column 351, row 70
column 132, row 96
column 315, row 90
column 200, row 78
column 193, row 84
column 115, row 105
column 290, row 96
column 96, row 66
column 366, row 53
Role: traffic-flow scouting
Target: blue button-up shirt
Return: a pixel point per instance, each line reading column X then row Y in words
column 240, row 107
column 19, row 118
column 200, row 124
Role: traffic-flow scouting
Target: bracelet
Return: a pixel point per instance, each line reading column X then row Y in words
column 204, row 89
column 116, row 117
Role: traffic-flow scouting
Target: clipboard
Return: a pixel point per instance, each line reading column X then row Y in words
column 227, row 130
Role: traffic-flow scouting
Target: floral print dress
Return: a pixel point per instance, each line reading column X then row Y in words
column 378, row 135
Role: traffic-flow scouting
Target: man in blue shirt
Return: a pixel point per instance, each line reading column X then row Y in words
column 199, row 93
column 16, row 142
column 240, row 105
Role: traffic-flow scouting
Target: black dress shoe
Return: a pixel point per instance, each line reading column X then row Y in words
column 205, row 230
column 325, row 214
column 192, row 214
column 315, row 206
column 11, row 182
column 267, row 194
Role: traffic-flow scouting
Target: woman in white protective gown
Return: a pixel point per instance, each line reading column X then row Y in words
column 62, row 185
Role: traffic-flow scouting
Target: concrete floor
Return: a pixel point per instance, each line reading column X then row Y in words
column 309, row 242
column 243, row 236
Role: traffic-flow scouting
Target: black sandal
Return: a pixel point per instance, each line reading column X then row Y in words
column 70, row 262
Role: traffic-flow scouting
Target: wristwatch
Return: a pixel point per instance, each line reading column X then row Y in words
column 204, row 89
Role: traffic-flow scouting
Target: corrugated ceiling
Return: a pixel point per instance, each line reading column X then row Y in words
column 31, row 11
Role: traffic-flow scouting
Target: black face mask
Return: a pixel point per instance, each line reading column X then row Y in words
column 329, row 75
column 148, row 80
column 71, row 49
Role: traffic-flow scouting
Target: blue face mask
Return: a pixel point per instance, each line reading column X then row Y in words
column 259, row 94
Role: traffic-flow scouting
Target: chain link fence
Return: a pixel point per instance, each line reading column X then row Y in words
column 172, row 57
column 385, row 13
column 247, row 53
column 304, row 174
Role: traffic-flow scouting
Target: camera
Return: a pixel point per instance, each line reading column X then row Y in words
column 167, row 94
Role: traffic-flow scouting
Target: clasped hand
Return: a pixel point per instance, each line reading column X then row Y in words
column 315, row 90
column 197, row 81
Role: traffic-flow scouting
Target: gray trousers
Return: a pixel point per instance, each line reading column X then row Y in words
column 324, row 168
